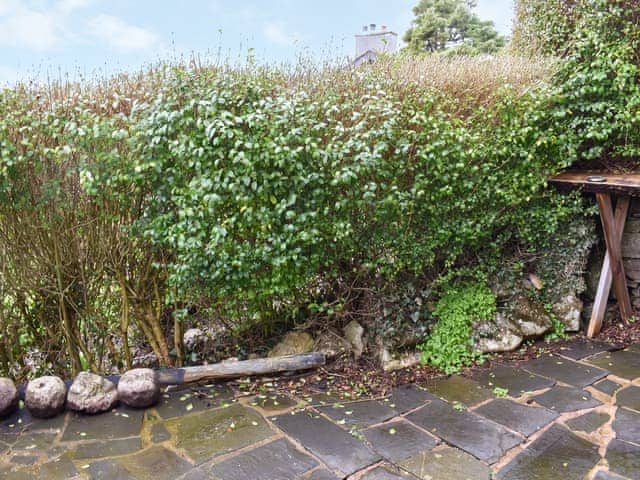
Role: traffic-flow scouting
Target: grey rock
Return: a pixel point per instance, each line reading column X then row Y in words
column 568, row 311
column 405, row 360
column 91, row 393
column 293, row 343
column 354, row 334
column 139, row 388
column 530, row 317
column 331, row 344
column 45, row 396
column 193, row 339
column 496, row 335
column 9, row 397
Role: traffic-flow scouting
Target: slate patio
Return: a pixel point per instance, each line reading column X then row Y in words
column 574, row 415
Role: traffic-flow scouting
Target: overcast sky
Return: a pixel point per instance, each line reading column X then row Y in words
column 40, row 38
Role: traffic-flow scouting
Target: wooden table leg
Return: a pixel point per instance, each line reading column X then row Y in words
column 613, row 237
column 604, row 285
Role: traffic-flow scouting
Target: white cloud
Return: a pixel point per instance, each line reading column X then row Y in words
column 276, row 33
column 31, row 29
column 119, row 34
column 68, row 6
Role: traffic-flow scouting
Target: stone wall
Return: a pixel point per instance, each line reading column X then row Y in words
column 631, row 252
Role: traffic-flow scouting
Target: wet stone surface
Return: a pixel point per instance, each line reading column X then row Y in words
column 624, row 458
column 457, row 389
column 382, row 473
column 564, row 370
column 108, row 448
column 204, row 433
column 358, row 414
column 627, row 425
column 589, row 422
column 156, row 463
column 195, row 399
column 159, row 433
column 448, row 464
column 320, row 474
column 214, row 432
column 398, row 440
column 121, row 422
column 515, row 380
column 579, row 349
column 523, row 419
column 272, row 403
column 409, row 397
column 624, row 363
column 556, row 454
column 606, row 386
column 274, row 461
column 604, row 475
column 629, row 398
column 566, row 399
column 337, row 448
column 468, row 431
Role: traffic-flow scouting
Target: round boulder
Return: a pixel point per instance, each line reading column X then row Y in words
column 139, row 388
column 91, row 393
column 45, row 396
column 9, row 397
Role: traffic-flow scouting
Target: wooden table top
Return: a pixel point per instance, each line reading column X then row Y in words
column 598, row 182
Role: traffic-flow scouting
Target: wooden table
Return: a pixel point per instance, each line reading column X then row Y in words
column 607, row 187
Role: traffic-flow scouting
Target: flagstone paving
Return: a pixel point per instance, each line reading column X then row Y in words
column 574, row 415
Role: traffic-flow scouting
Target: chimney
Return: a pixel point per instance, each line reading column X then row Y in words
column 365, row 29
column 383, row 28
column 372, row 27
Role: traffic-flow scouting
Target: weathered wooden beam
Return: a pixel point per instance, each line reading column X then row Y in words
column 604, row 285
column 245, row 368
column 588, row 181
column 612, row 238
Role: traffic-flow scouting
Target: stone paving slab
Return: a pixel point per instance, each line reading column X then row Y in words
column 627, row 425
column 457, row 389
column 623, row 363
column 334, row 446
column 468, row 431
column 604, row 475
column 321, row 474
column 629, row 398
column 207, row 434
column 359, row 414
column 382, row 473
column 566, row 399
column 556, row 454
column 59, row 468
column 564, row 370
column 194, row 399
column 275, row 461
column 398, row 440
column 582, row 348
column 523, row 419
column 589, row 422
column 624, row 459
column 121, row 422
column 607, row 386
column 515, row 380
column 409, row 397
column 447, row 464
column 156, row 463
column 108, row 448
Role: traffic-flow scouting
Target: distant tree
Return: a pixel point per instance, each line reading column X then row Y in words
column 451, row 24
